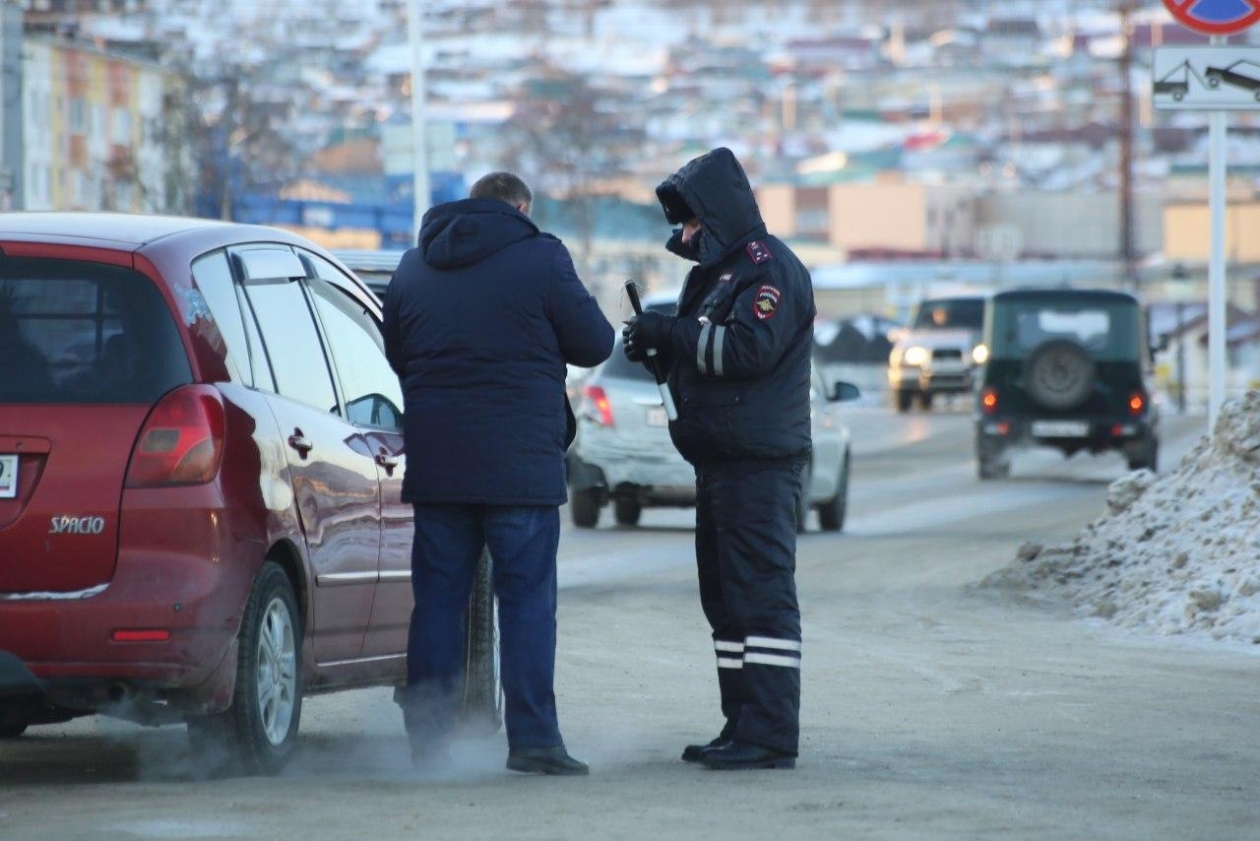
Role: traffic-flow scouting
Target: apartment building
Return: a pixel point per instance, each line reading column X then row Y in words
column 97, row 131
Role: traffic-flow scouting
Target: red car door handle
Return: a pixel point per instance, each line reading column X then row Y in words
column 299, row 442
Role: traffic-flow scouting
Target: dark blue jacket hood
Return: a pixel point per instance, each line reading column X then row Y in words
column 714, row 189
column 461, row 233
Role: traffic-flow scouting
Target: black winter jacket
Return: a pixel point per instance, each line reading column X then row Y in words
column 480, row 320
column 739, row 355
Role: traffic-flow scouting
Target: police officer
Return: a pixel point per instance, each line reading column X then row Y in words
column 738, row 357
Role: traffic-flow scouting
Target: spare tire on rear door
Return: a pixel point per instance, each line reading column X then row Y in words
column 1059, row 374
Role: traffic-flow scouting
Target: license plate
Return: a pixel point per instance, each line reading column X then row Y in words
column 656, row 416
column 9, row 476
column 1060, row 429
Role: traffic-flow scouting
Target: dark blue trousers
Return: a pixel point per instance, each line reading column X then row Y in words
column 448, row 542
column 746, row 561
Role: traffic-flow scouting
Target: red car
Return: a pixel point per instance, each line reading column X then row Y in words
column 201, row 458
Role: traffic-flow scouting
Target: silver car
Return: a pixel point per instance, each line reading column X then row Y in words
column 623, row 454
column 374, row 268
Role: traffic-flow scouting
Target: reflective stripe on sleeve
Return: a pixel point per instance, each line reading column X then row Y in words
column 771, row 660
column 771, row 642
column 704, row 340
column 719, row 336
column 723, row 645
column 728, row 663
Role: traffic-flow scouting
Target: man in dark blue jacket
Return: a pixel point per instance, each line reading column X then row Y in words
column 480, row 320
column 738, row 355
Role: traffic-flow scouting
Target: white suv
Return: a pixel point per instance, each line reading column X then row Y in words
column 938, row 352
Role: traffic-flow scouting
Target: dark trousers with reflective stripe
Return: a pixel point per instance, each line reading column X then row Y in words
column 746, row 559
column 448, row 542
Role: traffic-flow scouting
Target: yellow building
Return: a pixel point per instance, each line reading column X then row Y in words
column 1187, row 243
column 888, row 215
column 1187, row 231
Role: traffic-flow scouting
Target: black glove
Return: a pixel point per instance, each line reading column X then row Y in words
column 651, row 330
column 634, row 352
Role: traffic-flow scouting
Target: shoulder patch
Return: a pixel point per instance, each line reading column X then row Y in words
column 758, row 252
column 766, row 302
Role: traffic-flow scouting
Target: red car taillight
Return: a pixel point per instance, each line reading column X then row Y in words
column 1137, row 403
column 989, row 401
column 181, row 442
column 596, row 406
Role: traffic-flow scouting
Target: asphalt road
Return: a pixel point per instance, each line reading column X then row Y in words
column 930, row 710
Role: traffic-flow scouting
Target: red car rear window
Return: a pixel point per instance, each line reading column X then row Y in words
column 75, row 332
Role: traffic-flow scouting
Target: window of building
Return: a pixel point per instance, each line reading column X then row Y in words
column 121, row 126
column 78, row 116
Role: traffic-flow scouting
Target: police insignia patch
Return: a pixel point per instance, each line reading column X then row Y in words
column 758, row 252
column 766, row 302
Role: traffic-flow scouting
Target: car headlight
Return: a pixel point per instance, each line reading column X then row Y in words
column 915, row 356
column 980, row 354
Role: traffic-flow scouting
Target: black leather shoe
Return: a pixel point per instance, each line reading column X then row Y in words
column 692, row 753
column 739, row 756
column 553, row 760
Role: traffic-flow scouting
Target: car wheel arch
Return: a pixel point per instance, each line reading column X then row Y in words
column 286, row 556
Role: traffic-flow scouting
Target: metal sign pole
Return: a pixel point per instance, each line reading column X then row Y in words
column 1216, row 260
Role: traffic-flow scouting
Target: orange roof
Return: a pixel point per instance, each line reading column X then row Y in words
column 354, row 157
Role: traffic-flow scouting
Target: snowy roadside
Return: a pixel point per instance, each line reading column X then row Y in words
column 1173, row 554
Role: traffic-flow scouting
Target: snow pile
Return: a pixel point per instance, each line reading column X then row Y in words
column 1177, row 554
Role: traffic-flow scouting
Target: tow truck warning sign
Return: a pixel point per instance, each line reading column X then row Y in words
column 1206, row 78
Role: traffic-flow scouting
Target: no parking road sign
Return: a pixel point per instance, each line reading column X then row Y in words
column 1215, row 17
column 1208, row 79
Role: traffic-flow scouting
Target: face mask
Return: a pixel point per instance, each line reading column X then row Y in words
column 696, row 243
column 688, row 250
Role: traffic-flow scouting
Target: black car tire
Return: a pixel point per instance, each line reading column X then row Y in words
column 802, row 506
column 238, row 738
column 13, row 722
column 993, row 465
column 482, row 706
column 1146, row 457
column 832, row 512
column 627, row 511
column 1059, row 375
column 903, row 399
column 584, row 508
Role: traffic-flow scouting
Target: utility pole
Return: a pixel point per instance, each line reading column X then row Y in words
column 420, row 158
column 1128, row 249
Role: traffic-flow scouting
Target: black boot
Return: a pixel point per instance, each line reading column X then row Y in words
column 692, row 753
column 552, row 760
column 738, row 756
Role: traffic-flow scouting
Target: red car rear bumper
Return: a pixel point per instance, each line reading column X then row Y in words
column 176, row 582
